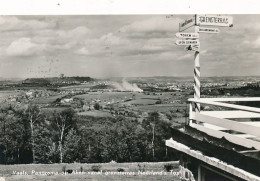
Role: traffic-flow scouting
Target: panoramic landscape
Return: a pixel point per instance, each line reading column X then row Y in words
column 84, row 99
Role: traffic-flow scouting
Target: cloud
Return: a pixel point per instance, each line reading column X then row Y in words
column 185, row 57
column 81, row 51
column 256, row 43
column 149, row 47
column 22, row 47
column 112, row 39
column 11, row 23
column 76, row 33
column 154, row 24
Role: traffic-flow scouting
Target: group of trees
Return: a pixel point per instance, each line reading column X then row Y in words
column 30, row 135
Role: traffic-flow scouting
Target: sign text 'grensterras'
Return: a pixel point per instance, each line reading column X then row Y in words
column 214, row 20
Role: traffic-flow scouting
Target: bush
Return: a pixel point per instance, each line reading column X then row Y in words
column 69, row 171
column 96, row 168
column 168, row 167
column 158, row 102
column 120, row 170
column 141, row 168
column 64, row 168
column 96, row 106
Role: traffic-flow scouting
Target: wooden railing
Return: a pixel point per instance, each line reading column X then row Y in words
column 220, row 124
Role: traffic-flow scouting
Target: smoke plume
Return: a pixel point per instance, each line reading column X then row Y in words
column 126, row 86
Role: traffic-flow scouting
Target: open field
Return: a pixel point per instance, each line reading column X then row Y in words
column 46, row 100
column 108, row 171
column 107, row 96
column 5, row 94
column 95, row 113
column 161, row 107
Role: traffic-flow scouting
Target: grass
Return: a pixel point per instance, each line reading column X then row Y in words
column 142, row 101
column 95, row 113
column 6, row 93
column 130, row 171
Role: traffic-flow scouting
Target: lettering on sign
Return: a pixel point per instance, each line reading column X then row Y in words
column 214, row 20
column 208, row 30
column 187, row 35
column 187, row 24
column 187, row 42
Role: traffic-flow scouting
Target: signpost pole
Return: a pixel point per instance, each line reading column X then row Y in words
column 193, row 43
column 197, row 75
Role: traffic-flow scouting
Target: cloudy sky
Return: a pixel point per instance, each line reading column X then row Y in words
column 125, row 46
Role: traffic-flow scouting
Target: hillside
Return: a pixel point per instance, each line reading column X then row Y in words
column 57, row 80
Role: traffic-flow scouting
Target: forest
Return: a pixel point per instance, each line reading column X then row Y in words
column 30, row 135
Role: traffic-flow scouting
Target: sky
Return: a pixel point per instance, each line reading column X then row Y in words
column 123, row 46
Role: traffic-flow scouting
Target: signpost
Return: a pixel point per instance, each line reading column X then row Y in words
column 187, row 35
column 187, row 24
column 192, row 40
column 208, row 30
column 214, row 20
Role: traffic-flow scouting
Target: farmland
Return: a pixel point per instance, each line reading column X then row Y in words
column 105, row 119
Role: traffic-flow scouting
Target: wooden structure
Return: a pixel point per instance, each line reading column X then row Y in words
column 223, row 141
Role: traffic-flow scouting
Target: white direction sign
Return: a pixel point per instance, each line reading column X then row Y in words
column 187, row 35
column 214, row 20
column 187, row 24
column 192, row 48
column 208, row 30
column 187, row 42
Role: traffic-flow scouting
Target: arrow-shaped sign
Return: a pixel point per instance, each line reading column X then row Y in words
column 187, row 35
column 214, row 20
column 187, row 42
column 192, row 48
column 208, row 30
column 187, row 24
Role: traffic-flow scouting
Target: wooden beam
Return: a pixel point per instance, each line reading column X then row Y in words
column 221, row 104
column 219, row 173
column 232, row 125
column 252, row 123
column 249, row 151
column 211, row 126
column 212, row 161
column 232, row 138
column 233, row 99
column 231, row 114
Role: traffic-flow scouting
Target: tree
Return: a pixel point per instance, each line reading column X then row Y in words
column 157, row 131
column 32, row 114
column 72, row 143
column 63, row 122
column 13, row 134
column 44, row 150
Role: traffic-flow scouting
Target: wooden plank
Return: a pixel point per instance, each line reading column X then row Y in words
column 245, row 108
column 219, row 173
column 212, row 161
column 232, row 138
column 211, row 126
column 231, row 114
column 232, row 99
column 226, row 123
column 244, row 135
column 254, row 123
